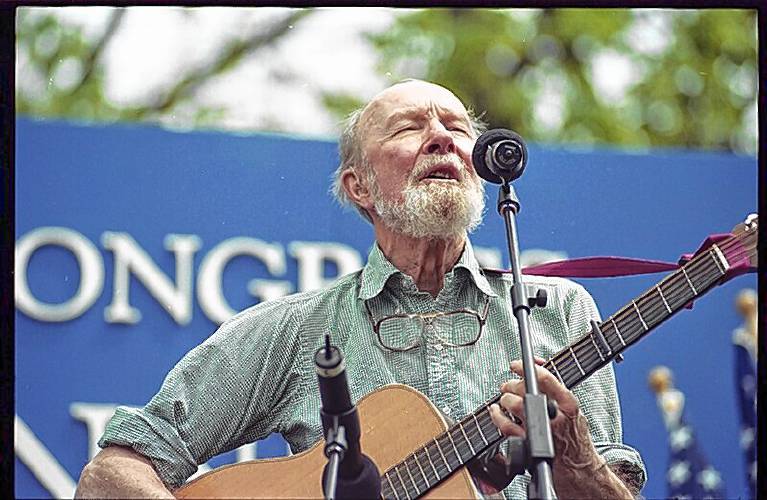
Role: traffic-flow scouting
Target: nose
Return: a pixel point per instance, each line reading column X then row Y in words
column 439, row 140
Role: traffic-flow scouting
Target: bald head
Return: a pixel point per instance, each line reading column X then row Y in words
column 397, row 98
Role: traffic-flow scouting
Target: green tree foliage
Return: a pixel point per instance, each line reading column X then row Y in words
column 674, row 78
column 66, row 72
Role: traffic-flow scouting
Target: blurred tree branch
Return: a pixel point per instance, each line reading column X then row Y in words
column 225, row 60
column 47, row 46
column 90, row 59
column 675, row 78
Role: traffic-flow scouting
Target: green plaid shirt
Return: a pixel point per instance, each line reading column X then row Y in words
column 255, row 375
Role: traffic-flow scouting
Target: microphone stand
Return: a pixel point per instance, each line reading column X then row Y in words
column 539, row 444
column 335, row 449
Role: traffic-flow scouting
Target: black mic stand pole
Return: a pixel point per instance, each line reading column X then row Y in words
column 335, row 448
column 540, row 446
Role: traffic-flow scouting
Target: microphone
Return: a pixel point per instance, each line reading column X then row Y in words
column 357, row 475
column 499, row 156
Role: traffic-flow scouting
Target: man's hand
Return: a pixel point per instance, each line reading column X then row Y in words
column 578, row 470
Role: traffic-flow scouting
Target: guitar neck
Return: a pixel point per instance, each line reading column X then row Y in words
column 474, row 434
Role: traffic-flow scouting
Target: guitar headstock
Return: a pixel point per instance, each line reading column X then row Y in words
column 747, row 232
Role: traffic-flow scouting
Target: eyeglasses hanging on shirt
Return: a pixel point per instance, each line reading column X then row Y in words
column 403, row 332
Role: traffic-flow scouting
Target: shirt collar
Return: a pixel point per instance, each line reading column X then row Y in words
column 378, row 270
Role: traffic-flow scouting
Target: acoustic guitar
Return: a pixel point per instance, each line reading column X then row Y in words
column 410, row 441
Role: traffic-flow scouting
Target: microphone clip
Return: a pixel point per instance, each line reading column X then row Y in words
column 335, row 440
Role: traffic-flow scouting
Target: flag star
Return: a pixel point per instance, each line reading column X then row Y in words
column 746, row 437
column 679, row 472
column 680, row 438
column 709, row 479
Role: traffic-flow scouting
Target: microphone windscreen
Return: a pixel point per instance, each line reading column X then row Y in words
column 485, row 141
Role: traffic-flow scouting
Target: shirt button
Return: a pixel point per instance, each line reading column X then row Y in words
column 446, row 410
column 437, row 347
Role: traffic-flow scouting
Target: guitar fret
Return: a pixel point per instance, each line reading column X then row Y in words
column 618, row 332
column 444, row 459
column 426, row 480
column 391, row 485
column 407, row 494
column 463, row 431
column 556, row 372
column 412, row 479
column 490, row 420
column 479, row 427
column 721, row 261
column 636, row 308
column 460, row 459
column 428, row 455
column 596, row 348
column 577, row 363
column 692, row 287
column 660, row 292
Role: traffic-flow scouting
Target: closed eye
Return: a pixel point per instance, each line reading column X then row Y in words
column 406, row 128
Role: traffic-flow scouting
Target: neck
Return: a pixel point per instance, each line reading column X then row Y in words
column 426, row 260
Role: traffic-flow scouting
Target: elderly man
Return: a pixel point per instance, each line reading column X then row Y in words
column 406, row 166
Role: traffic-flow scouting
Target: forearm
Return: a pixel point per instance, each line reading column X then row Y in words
column 118, row 472
column 579, row 471
column 599, row 482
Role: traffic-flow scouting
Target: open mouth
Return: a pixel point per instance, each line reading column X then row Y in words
column 443, row 173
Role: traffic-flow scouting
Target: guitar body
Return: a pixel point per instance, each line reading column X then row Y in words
column 395, row 420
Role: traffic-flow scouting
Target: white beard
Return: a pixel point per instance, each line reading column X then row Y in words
column 437, row 210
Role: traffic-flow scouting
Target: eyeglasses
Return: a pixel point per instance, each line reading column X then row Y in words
column 403, row 332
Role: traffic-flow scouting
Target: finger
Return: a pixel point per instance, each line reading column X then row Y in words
column 513, row 386
column 506, row 425
column 552, row 387
column 514, row 407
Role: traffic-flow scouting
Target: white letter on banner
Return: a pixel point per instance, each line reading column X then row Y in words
column 311, row 257
column 210, row 293
column 129, row 256
column 91, row 273
column 44, row 466
column 95, row 416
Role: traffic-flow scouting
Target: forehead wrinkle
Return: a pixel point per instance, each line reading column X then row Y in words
column 434, row 108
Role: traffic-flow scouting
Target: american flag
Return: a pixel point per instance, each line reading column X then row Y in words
column 745, row 380
column 689, row 474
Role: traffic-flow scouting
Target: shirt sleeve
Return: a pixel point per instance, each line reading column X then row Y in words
column 221, row 395
column 598, row 395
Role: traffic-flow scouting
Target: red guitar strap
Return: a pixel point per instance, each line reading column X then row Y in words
column 611, row 266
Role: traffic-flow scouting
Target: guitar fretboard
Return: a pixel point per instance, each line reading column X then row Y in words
column 467, row 439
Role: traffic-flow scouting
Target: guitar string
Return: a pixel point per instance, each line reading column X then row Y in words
column 650, row 309
column 627, row 317
column 707, row 280
column 704, row 278
column 651, row 313
column 589, row 359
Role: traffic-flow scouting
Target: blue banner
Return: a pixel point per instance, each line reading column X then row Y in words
column 133, row 243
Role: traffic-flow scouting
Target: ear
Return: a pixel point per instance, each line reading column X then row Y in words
column 356, row 188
